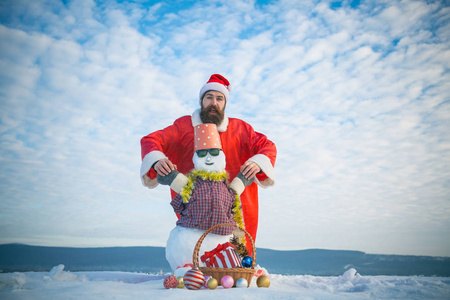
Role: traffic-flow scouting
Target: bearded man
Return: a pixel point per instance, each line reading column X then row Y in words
column 246, row 150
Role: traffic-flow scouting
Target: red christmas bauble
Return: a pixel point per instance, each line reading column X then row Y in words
column 170, row 282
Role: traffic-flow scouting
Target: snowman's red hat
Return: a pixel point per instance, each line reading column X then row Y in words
column 206, row 137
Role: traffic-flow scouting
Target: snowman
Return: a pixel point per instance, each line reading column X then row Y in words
column 203, row 200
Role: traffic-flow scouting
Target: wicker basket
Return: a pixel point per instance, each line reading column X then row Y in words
column 218, row 273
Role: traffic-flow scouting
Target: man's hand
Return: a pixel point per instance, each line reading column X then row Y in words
column 164, row 167
column 250, row 169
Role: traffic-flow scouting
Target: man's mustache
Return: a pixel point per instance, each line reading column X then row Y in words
column 212, row 108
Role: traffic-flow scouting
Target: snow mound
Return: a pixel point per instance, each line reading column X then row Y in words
column 60, row 284
column 56, row 273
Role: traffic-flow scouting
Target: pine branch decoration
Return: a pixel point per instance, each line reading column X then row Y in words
column 240, row 247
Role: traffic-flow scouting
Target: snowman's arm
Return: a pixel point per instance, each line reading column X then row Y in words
column 240, row 182
column 174, row 179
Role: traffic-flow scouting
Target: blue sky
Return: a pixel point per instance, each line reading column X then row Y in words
column 355, row 94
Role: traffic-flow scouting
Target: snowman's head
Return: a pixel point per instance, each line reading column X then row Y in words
column 212, row 160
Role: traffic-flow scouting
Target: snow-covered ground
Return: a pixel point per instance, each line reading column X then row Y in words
column 61, row 284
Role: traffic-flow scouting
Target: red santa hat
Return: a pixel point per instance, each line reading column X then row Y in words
column 216, row 83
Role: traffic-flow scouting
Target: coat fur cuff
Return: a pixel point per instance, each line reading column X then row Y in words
column 266, row 166
column 178, row 183
column 147, row 163
column 237, row 185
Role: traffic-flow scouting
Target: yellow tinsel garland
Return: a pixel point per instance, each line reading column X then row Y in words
column 186, row 192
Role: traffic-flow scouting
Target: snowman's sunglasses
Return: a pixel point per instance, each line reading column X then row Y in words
column 203, row 153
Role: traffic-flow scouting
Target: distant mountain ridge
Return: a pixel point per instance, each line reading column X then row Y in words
column 320, row 262
column 317, row 262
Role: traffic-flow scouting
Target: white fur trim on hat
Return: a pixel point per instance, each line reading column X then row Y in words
column 215, row 86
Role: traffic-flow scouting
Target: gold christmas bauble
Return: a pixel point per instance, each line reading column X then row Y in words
column 263, row 281
column 212, row 283
column 180, row 284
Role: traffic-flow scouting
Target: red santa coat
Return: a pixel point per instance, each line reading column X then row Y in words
column 240, row 144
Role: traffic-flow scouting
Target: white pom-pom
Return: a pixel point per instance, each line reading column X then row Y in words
column 229, row 88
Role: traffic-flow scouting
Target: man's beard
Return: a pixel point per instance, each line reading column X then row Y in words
column 207, row 117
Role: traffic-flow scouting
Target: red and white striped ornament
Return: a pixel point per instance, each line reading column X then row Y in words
column 194, row 279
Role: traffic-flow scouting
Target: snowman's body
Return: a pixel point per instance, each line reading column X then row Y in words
column 181, row 243
column 209, row 204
